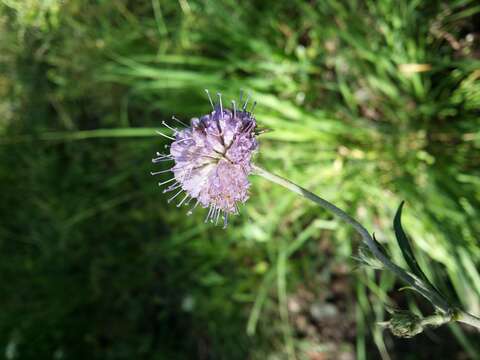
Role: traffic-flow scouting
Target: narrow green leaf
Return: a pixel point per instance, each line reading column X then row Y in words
column 380, row 246
column 406, row 248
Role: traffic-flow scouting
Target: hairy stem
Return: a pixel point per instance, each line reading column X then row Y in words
column 436, row 320
column 405, row 276
column 466, row 318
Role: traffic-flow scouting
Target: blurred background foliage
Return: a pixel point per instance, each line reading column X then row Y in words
column 369, row 103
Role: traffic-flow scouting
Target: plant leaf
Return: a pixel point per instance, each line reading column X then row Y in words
column 380, row 246
column 406, row 248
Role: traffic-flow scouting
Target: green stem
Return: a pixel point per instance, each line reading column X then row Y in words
column 448, row 313
column 436, row 320
column 457, row 315
column 466, row 318
column 408, row 278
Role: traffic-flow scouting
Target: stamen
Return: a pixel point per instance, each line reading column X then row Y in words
column 234, row 108
column 249, row 127
column 210, row 98
column 161, row 160
column 218, row 216
column 153, row 173
column 221, row 104
column 166, row 182
column 175, row 130
column 253, row 107
column 166, row 136
column 190, row 212
column 162, row 157
column 214, row 215
column 225, row 220
column 172, row 187
column 179, row 121
column 209, row 213
column 246, row 102
column 174, row 196
column 183, row 200
column 178, row 141
column 188, row 201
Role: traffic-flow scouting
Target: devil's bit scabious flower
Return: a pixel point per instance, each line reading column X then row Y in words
column 212, row 160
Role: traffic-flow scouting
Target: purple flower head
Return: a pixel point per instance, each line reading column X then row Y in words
column 213, row 160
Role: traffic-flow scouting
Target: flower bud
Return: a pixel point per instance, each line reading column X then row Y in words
column 404, row 324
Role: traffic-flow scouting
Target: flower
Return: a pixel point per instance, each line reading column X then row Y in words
column 212, row 160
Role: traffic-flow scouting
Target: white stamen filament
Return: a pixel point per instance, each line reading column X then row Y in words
column 159, row 172
column 210, row 99
column 246, row 102
column 166, row 136
column 221, row 104
column 166, row 182
column 175, row 130
column 212, row 207
column 225, row 220
column 179, row 121
column 174, row 196
column 190, row 212
column 188, row 201
column 161, row 158
column 172, row 187
column 185, row 139
column 219, row 212
column 214, row 215
column 183, row 200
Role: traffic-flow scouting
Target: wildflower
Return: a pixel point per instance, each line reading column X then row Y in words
column 212, row 160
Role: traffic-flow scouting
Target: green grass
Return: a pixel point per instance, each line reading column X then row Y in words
column 96, row 264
